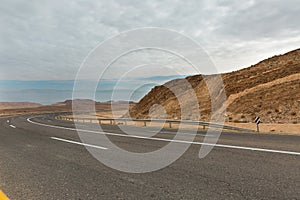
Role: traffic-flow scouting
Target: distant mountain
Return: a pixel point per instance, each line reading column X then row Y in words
column 270, row 89
column 119, row 102
column 103, row 109
column 90, row 102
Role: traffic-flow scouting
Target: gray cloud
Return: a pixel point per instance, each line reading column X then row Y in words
column 49, row 39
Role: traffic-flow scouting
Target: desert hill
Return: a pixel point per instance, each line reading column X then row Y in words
column 15, row 105
column 103, row 109
column 269, row 89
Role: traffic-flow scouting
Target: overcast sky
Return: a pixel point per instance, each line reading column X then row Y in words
column 48, row 40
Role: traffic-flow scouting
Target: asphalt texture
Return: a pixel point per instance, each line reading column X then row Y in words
column 35, row 166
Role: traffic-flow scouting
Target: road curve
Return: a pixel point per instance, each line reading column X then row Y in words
column 39, row 160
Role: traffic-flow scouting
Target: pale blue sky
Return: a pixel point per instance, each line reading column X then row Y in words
column 49, row 92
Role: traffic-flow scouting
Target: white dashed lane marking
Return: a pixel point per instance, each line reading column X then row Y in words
column 12, row 126
column 78, row 143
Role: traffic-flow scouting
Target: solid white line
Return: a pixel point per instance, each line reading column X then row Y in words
column 173, row 133
column 79, row 143
column 12, row 126
column 168, row 140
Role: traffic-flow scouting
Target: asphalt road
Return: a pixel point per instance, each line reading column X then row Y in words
column 35, row 165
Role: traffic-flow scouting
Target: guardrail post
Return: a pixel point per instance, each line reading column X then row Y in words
column 170, row 124
column 145, row 123
column 99, row 121
column 203, row 126
column 110, row 121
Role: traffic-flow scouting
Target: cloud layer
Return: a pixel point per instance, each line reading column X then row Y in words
column 48, row 40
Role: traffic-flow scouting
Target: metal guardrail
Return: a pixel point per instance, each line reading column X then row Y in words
column 145, row 121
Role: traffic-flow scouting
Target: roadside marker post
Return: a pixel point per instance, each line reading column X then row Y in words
column 257, row 121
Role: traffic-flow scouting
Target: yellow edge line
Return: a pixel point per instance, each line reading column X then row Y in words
column 3, row 196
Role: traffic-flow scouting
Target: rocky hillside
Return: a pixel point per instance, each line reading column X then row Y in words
column 270, row 89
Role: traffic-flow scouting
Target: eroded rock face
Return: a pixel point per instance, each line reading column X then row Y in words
column 270, row 89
